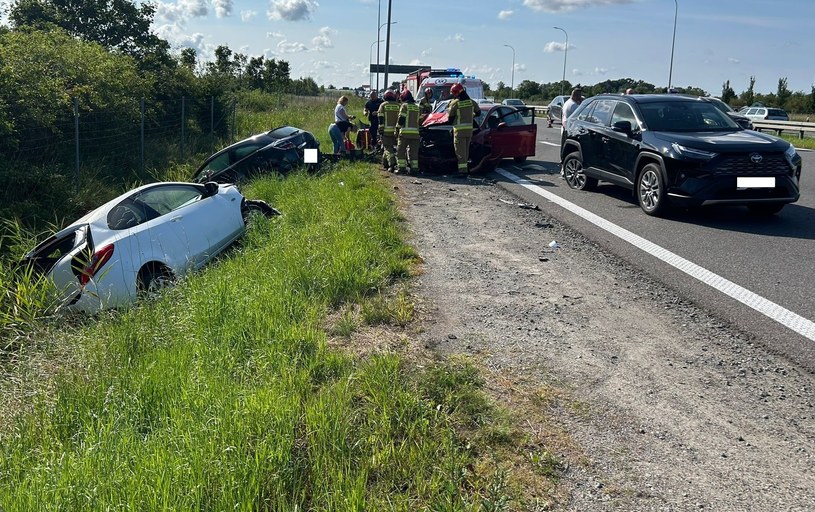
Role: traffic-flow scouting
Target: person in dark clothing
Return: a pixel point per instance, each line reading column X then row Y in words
column 371, row 111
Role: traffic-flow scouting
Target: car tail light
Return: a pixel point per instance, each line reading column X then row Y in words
column 97, row 261
column 284, row 144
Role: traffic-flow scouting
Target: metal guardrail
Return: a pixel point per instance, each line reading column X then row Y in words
column 785, row 126
column 540, row 111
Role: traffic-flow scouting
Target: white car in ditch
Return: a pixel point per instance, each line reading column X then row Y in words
column 140, row 241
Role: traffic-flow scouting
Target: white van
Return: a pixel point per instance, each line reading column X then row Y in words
column 441, row 85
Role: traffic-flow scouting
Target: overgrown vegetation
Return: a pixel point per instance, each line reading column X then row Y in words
column 222, row 394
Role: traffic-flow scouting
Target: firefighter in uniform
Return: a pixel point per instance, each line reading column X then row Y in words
column 426, row 105
column 388, row 117
column 407, row 150
column 461, row 112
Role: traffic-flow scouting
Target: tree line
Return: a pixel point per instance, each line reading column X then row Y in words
column 534, row 92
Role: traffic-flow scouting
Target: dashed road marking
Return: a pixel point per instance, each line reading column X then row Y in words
column 785, row 317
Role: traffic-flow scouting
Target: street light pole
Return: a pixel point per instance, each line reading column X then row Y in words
column 377, row 49
column 370, row 63
column 378, row 39
column 513, row 66
column 388, row 43
column 565, row 52
column 673, row 42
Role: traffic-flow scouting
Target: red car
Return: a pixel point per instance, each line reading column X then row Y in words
column 501, row 132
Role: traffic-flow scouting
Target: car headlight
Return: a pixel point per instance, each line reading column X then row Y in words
column 790, row 152
column 687, row 152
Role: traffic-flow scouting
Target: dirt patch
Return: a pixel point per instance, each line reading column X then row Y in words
column 650, row 402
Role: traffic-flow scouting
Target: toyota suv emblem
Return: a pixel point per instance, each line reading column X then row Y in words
column 756, row 158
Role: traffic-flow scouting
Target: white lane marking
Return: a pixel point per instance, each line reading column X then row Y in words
column 785, row 317
column 549, row 143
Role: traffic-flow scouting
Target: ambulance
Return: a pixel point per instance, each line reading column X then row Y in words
column 441, row 80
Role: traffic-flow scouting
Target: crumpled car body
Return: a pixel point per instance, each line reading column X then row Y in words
column 280, row 150
column 138, row 242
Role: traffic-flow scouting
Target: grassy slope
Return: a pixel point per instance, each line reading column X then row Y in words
column 223, row 395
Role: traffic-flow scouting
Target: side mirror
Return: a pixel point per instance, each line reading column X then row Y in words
column 622, row 126
column 210, row 189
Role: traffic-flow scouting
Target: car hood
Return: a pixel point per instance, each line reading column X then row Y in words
column 721, row 142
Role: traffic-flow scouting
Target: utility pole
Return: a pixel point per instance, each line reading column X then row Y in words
column 388, row 44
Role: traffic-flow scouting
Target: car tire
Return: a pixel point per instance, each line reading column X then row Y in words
column 574, row 175
column 520, row 159
column 153, row 278
column 765, row 209
column 650, row 190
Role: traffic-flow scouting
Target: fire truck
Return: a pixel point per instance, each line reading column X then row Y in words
column 440, row 81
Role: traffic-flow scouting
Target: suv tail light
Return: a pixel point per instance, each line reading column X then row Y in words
column 96, row 261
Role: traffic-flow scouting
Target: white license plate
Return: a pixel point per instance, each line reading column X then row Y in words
column 745, row 182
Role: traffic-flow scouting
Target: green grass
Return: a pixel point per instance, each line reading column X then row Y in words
column 222, row 394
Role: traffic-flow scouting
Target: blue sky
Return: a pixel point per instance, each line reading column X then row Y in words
column 333, row 41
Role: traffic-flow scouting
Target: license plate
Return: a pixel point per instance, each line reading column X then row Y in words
column 750, row 182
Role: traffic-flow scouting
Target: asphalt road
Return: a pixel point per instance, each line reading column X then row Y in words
column 769, row 256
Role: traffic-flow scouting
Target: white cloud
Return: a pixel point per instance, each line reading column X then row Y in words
column 426, row 53
column 290, row 47
column 457, row 38
column 520, row 68
column 223, row 8
column 505, row 15
column 291, row 10
column 248, row 15
column 323, row 41
column 570, row 5
column 554, row 46
column 275, row 35
column 733, row 60
column 600, row 71
column 577, row 72
column 181, row 10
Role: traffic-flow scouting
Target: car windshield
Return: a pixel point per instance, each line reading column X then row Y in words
column 686, row 116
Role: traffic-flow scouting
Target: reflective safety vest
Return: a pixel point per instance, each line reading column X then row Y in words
column 425, row 106
column 409, row 120
column 388, row 117
column 461, row 114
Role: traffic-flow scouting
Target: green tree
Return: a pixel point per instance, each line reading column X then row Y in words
column 189, row 58
column 811, row 103
column 527, row 89
column 728, row 94
column 305, row 87
column 42, row 73
column 118, row 25
column 783, row 93
column 747, row 98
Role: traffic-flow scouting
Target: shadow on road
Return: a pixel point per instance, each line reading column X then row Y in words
column 794, row 221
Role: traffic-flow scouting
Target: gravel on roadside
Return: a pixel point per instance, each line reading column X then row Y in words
column 666, row 407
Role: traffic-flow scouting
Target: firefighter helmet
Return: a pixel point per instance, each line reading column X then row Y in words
column 389, row 95
column 456, row 89
column 406, row 95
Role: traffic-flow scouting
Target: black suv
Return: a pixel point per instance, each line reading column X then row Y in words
column 676, row 149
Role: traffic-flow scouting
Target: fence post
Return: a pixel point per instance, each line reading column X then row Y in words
column 234, row 115
column 141, row 137
column 76, row 138
column 183, row 122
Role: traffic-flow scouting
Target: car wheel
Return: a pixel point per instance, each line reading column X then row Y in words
column 765, row 209
column 152, row 279
column 574, row 175
column 254, row 207
column 520, row 159
column 651, row 190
